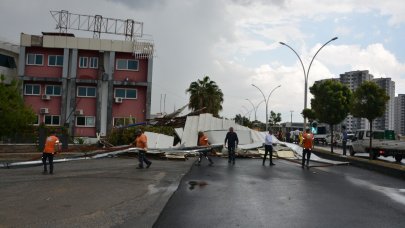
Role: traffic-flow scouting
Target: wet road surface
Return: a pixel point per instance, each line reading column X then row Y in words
column 285, row 195
column 108, row 192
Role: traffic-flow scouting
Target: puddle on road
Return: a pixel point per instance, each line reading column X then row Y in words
column 192, row 184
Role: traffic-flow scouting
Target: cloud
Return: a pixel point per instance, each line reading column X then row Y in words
column 141, row 4
column 235, row 42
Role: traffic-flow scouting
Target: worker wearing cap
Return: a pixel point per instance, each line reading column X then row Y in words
column 51, row 146
column 141, row 142
column 307, row 144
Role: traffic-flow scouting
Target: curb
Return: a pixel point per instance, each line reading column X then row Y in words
column 391, row 169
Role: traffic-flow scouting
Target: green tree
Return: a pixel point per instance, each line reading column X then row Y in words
column 275, row 118
column 205, row 94
column 331, row 102
column 309, row 114
column 369, row 101
column 243, row 121
column 14, row 115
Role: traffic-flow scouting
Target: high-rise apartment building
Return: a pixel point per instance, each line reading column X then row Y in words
column 386, row 122
column 354, row 79
column 400, row 114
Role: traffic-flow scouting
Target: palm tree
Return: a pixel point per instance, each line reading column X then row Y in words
column 205, row 94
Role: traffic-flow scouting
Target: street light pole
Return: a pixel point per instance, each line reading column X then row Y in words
column 247, row 111
column 254, row 107
column 267, row 103
column 291, row 116
column 306, row 74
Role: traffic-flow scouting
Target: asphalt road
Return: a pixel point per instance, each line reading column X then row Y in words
column 285, row 195
column 106, row 192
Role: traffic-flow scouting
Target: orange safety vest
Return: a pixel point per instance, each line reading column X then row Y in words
column 307, row 140
column 141, row 141
column 203, row 141
column 50, row 144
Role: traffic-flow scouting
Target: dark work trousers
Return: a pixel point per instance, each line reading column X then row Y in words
column 48, row 156
column 307, row 153
column 231, row 154
column 204, row 154
column 142, row 158
column 268, row 149
column 344, row 142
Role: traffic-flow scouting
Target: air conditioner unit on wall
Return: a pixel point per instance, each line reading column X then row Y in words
column 46, row 97
column 118, row 100
column 44, row 110
column 79, row 112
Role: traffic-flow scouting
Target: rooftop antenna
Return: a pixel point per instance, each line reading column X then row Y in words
column 131, row 29
column 97, row 24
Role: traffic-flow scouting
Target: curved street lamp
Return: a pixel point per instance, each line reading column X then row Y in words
column 267, row 102
column 247, row 111
column 255, row 107
column 306, row 74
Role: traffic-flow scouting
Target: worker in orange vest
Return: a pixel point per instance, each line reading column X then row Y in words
column 141, row 142
column 52, row 146
column 203, row 141
column 307, row 144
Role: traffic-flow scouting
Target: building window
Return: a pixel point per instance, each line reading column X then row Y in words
column 30, row 89
column 52, row 120
column 83, row 62
column 83, row 91
column 85, row 121
column 125, row 93
column 55, row 60
column 35, row 59
column 123, row 121
column 53, row 90
column 94, row 62
column 127, row 64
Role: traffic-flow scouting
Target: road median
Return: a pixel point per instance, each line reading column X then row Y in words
column 388, row 168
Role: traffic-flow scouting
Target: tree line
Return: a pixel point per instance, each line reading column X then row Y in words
column 333, row 101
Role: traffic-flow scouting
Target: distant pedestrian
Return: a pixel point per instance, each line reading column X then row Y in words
column 203, row 141
column 268, row 147
column 292, row 136
column 51, row 147
column 344, row 140
column 287, row 136
column 307, row 144
column 141, row 142
column 297, row 136
column 280, row 135
column 233, row 141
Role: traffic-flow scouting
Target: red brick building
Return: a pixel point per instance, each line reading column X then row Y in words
column 89, row 85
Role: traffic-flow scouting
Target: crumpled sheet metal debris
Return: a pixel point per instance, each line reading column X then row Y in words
column 156, row 141
column 298, row 150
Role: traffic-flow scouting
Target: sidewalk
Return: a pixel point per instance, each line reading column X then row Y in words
column 89, row 193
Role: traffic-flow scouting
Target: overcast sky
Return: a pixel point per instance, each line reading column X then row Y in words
column 236, row 43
